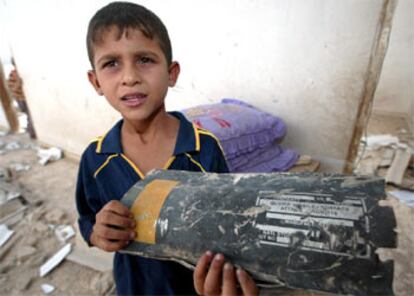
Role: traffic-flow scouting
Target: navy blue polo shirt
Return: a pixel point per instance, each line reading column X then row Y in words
column 105, row 174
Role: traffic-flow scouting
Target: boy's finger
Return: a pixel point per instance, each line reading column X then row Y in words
column 229, row 280
column 111, row 218
column 117, row 207
column 107, row 233
column 213, row 283
column 200, row 272
column 247, row 284
column 112, row 246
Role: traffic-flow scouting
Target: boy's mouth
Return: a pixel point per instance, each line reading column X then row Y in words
column 133, row 99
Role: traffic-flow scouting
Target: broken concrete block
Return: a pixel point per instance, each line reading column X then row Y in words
column 55, row 260
column 64, row 232
column 310, row 231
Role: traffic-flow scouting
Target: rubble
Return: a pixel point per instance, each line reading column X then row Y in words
column 37, row 224
column 388, row 156
column 49, row 155
column 64, row 232
column 47, row 289
column 5, row 234
column 55, row 260
column 404, row 196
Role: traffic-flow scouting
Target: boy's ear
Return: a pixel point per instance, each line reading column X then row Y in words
column 94, row 81
column 174, row 71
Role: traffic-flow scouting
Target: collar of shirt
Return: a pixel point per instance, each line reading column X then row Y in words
column 188, row 138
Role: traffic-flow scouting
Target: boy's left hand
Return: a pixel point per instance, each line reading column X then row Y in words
column 214, row 276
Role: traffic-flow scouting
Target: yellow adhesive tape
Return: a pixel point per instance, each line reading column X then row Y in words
column 147, row 207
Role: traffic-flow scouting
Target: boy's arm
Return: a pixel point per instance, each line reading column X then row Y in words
column 109, row 227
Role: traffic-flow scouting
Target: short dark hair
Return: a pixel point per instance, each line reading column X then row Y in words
column 124, row 15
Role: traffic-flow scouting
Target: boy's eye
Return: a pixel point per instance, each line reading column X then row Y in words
column 145, row 60
column 110, row 64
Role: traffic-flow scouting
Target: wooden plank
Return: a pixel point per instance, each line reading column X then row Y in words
column 6, row 102
column 396, row 171
column 379, row 49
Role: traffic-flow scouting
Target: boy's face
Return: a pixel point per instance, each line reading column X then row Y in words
column 132, row 73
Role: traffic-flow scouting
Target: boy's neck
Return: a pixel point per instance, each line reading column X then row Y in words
column 162, row 124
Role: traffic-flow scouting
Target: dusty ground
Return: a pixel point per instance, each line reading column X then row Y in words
column 49, row 191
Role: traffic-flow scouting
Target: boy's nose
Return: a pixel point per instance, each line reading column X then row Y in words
column 130, row 76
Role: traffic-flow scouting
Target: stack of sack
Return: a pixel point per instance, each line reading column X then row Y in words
column 250, row 137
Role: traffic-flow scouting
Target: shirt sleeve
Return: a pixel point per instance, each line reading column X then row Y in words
column 84, row 188
column 219, row 160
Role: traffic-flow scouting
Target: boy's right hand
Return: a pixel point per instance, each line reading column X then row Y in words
column 114, row 227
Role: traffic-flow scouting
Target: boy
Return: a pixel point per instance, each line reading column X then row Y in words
column 130, row 53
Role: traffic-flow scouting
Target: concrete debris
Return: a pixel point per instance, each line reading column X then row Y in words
column 5, row 234
column 404, row 196
column 49, row 155
column 64, row 232
column 377, row 141
column 47, row 289
column 395, row 173
column 387, row 158
column 55, row 260
column 390, row 157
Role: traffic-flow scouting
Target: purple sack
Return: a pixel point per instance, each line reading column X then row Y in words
column 240, row 127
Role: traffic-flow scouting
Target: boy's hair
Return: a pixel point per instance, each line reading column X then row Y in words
column 125, row 15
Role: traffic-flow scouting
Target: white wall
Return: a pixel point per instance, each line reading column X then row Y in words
column 303, row 60
column 395, row 92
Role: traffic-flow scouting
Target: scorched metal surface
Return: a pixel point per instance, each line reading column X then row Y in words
column 310, row 231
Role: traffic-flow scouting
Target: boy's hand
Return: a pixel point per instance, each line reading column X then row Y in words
column 214, row 276
column 114, row 227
